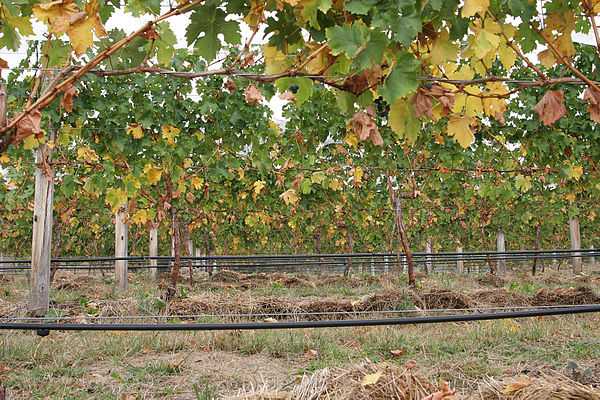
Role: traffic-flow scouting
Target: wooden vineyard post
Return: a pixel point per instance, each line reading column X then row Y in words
column 121, row 251
column 39, row 298
column 501, row 247
column 575, row 244
column 153, row 250
column 428, row 259
column 460, row 263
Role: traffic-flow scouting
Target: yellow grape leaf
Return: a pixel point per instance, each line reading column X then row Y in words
column 473, row 7
column 270, row 320
column 523, row 183
column 358, row 174
column 80, row 32
column 140, row 217
column 289, row 197
column 170, row 133
column 275, row 60
column 459, row 127
column 318, row 177
column 153, row 174
column 257, row 187
column 506, row 55
column 199, row 135
column 57, row 14
column 443, row 49
column 547, row 58
column 116, row 198
column 371, row 379
column 576, row 172
column 197, row 183
column 518, row 384
column 403, row 122
column 30, row 142
column 87, row 154
column 4, row 158
column 135, row 130
column 352, row 140
column 336, row 185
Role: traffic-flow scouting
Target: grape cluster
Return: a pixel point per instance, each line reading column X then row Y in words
column 383, row 108
column 294, row 88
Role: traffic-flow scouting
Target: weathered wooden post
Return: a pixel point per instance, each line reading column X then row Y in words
column 121, row 250
column 575, row 244
column 460, row 263
column 153, row 250
column 41, row 246
column 428, row 259
column 501, row 248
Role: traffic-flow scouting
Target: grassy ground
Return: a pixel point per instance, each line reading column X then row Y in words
column 220, row 364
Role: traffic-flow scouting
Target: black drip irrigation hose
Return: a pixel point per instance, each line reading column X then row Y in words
column 43, row 329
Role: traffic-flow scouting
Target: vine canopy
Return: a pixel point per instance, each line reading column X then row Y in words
column 450, row 61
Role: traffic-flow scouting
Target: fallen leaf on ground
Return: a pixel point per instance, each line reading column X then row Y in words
column 518, row 384
column 371, row 379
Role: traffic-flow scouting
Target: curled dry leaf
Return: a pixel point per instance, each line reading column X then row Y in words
column 551, row 108
column 443, row 394
column 371, row 111
column 29, row 125
column 365, row 128
column 67, row 98
column 518, row 384
column 310, row 354
column 248, row 59
column 355, row 84
column 287, row 95
column 230, row 85
column 253, row 95
column 410, row 364
column 396, row 353
column 593, row 96
column 150, row 34
column 423, row 103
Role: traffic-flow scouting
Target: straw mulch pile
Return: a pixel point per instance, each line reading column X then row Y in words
column 547, row 387
column 366, row 381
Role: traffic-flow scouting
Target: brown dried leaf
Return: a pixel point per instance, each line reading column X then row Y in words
column 150, row 34
column 230, row 85
column 3, row 63
column 253, row 95
column 371, row 111
column 355, row 84
column 551, row 108
column 67, row 98
column 190, row 197
column 310, row 354
column 593, row 96
column 29, row 125
column 410, row 364
column 396, row 353
column 443, row 95
column 365, row 128
column 423, row 103
column 287, row 95
column 248, row 59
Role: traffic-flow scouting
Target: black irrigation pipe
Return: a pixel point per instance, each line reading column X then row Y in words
column 44, row 328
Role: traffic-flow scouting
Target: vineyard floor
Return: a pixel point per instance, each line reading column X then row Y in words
column 477, row 359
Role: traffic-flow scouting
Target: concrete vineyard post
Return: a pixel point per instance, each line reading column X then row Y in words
column 39, row 298
column 460, row 263
column 153, row 248
column 501, row 247
column 575, row 244
column 120, row 251
column 592, row 258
